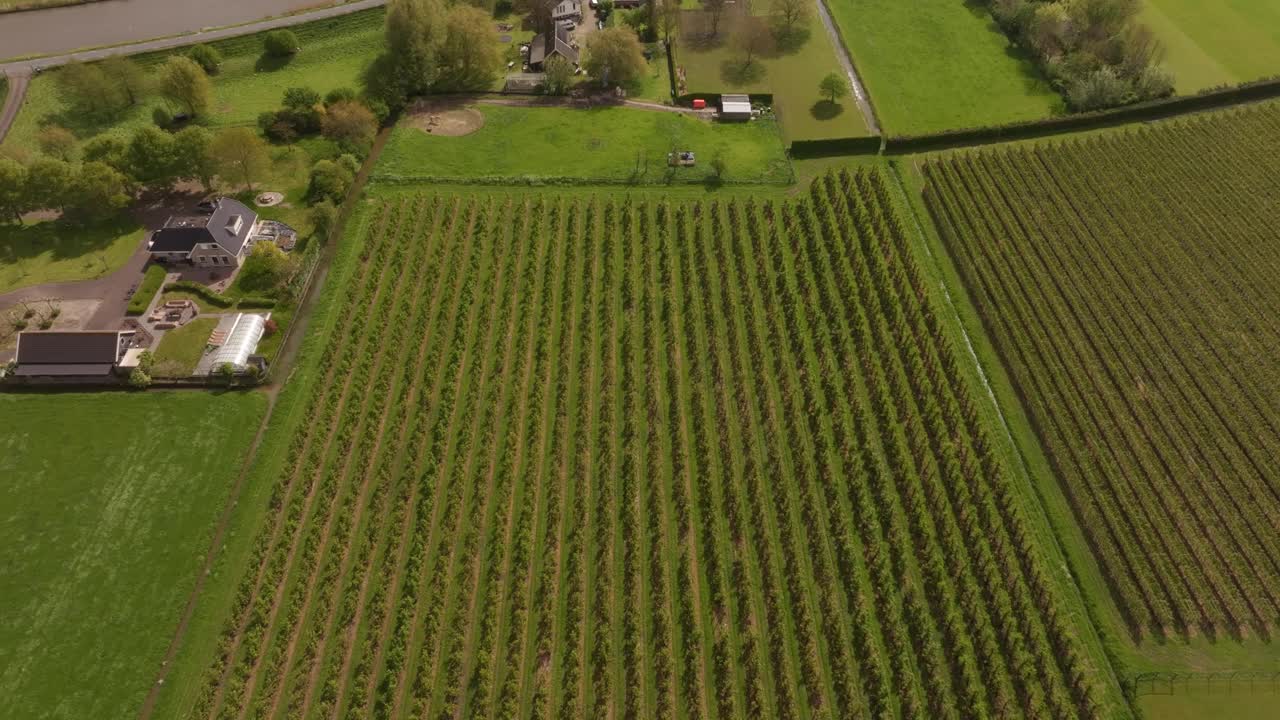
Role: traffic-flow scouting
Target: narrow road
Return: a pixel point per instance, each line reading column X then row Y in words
column 18, row 82
column 134, row 36
column 859, row 90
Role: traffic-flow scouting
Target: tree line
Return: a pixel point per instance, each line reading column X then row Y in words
column 1093, row 51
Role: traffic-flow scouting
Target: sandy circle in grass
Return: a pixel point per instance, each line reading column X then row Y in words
column 449, row 122
column 268, row 199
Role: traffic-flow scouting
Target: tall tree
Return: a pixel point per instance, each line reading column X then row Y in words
column 833, row 87
column 557, row 74
column 127, row 77
column 240, row 154
column 99, row 192
column 89, row 91
column 715, row 8
column 185, row 83
column 789, row 15
column 668, row 19
column 49, row 184
column 13, row 190
column 614, row 56
column 753, row 38
column 470, row 53
column 57, row 141
column 351, row 124
column 191, row 155
column 415, row 32
column 151, row 157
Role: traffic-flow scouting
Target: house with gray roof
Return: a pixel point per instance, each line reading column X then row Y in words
column 217, row 239
column 541, row 49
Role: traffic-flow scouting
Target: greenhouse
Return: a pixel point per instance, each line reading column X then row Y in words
column 241, row 341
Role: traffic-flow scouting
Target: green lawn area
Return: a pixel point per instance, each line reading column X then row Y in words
column 791, row 75
column 1241, row 705
column 56, row 252
column 933, row 65
column 106, row 511
column 13, row 5
column 1218, row 43
column 181, row 349
column 598, row 144
column 334, row 53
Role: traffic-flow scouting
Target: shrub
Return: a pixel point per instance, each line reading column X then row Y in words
column 337, row 95
column 206, row 56
column 139, row 379
column 280, row 44
column 329, row 181
column 256, row 303
column 323, row 218
column 162, row 117
column 147, row 289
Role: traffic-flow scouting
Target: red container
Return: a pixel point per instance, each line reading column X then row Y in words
column 699, row 104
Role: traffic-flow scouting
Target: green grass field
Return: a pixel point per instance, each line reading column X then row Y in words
column 57, row 252
column 106, row 511
column 600, row 144
column 792, row 77
column 181, row 349
column 933, row 65
column 1216, row 43
column 334, row 53
column 16, row 5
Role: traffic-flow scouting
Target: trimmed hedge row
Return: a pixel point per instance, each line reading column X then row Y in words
column 1154, row 110
column 256, row 303
column 212, row 297
column 217, row 299
column 147, row 289
column 830, row 147
column 714, row 98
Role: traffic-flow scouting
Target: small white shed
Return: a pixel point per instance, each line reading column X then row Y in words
column 735, row 107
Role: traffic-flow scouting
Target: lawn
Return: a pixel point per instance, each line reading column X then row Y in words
column 57, row 252
column 605, row 144
column 107, row 508
column 714, row 66
column 934, row 65
column 1210, row 44
column 181, row 349
column 334, row 53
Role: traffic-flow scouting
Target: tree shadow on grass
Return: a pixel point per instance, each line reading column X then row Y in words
column 268, row 63
column 826, row 110
column 788, row 42
column 737, row 72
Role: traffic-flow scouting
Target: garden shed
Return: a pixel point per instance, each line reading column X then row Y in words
column 735, row 107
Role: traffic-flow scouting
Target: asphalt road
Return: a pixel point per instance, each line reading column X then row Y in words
column 61, row 30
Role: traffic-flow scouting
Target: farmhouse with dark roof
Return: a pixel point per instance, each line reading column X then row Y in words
column 218, row 239
column 541, row 50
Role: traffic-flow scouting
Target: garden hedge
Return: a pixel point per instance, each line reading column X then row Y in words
column 1154, row 110
column 216, row 299
column 147, row 289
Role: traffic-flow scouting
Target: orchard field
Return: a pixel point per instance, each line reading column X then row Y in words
column 624, row 456
column 1129, row 282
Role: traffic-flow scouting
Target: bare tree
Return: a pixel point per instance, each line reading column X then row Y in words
column 752, row 38
column 790, row 14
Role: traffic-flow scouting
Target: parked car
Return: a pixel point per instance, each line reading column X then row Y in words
column 207, row 206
